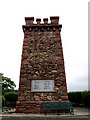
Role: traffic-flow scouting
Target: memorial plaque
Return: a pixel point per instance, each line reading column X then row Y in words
column 42, row 85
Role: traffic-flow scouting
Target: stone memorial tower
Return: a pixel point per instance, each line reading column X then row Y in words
column 42, row 74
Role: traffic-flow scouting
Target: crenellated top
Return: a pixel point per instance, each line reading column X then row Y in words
column 54, row 19
column 31, row 25
column 38, row 20
column 29, row 20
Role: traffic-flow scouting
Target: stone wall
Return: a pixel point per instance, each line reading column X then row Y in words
column 42, row 59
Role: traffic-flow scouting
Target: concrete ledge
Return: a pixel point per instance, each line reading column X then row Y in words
column 42, row 115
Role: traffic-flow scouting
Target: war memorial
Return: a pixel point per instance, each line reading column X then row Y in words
column 42, row 73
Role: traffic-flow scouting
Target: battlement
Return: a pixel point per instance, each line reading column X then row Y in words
column 30, row 20
column 30, row 25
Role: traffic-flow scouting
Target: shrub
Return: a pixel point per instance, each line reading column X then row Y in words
column 80, row 98
column 86, row 98
column 75, row 98
column 11, row 98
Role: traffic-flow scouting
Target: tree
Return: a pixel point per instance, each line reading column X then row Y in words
column 7, row 84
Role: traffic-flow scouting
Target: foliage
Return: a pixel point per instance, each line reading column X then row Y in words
column 80, row 98
column 7, row 84
column 75, row 98
column 0, row 100
column 11, row 98
column 86, row 98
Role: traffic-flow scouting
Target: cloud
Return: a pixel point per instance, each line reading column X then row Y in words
column 78, row 84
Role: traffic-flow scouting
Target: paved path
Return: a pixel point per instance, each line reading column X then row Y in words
column 79, row 114
column 47, row 118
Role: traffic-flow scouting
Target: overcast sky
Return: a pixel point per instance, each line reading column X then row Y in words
column 74, row 19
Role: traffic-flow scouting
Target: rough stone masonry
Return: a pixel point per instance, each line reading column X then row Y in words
column 42, row 74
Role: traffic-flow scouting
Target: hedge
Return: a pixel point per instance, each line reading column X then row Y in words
column 10, row 99
column 80, row 98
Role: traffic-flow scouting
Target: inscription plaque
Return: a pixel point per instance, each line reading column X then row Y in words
column 42, row 85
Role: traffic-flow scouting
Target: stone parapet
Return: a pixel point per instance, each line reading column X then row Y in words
column 30, row 25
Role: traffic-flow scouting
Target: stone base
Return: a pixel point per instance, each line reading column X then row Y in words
column 29, row 107
column 35, row 107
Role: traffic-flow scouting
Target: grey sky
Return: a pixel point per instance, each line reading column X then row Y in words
column 73, row 17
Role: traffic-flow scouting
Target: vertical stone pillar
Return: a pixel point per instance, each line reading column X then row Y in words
column 42, row 74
